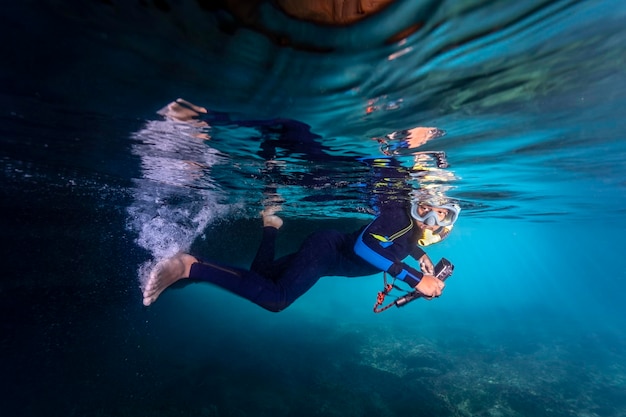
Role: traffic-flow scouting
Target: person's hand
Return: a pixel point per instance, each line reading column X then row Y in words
column 426, row 265
column 430, row 286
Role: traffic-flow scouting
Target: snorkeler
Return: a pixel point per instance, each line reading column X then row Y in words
column 276, row 284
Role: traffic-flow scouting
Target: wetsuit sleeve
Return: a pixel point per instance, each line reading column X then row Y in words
column 417, row 252
column 371, row 250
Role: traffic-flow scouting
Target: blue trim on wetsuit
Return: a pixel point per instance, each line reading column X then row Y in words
column 370, row 255
column 385, row 264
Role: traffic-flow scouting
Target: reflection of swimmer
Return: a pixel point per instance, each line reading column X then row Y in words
column 393, row 143
column 182, row 110
column 277, row 135
column 276, row 284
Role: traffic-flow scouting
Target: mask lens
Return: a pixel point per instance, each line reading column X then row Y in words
column 448, row 219
column 433, row 216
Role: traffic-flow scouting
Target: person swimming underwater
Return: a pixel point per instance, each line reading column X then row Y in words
column 274, row 284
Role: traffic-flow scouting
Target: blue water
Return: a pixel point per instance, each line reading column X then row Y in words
column 97, row 186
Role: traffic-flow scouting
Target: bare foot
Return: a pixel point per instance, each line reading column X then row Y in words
column 166, row 273
column 270, row 219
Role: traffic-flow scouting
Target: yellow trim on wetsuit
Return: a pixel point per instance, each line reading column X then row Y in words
column 395, row 235
column 379, row 237
column 402, row 232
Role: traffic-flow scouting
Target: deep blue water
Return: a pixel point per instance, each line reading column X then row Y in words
column 97, row 186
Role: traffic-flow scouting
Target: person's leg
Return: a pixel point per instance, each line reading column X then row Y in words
column 318, row 256
column 247, row 284
column 315, row 258
column 264, row 259
column 178, row 267
column 244, row 283
column 270, row 219
column 166, row 273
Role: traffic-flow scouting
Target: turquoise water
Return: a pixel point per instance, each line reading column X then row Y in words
column 97, row 186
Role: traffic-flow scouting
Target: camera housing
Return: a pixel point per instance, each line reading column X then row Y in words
column 443, row 270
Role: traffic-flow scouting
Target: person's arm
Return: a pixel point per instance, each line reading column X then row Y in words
column 428, row 285
column 382, row 261
column 426, row 264
column 374, row 246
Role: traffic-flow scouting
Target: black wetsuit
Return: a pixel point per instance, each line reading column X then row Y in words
column 275, row 284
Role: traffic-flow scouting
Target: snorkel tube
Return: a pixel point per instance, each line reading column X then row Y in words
column 430, row 237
